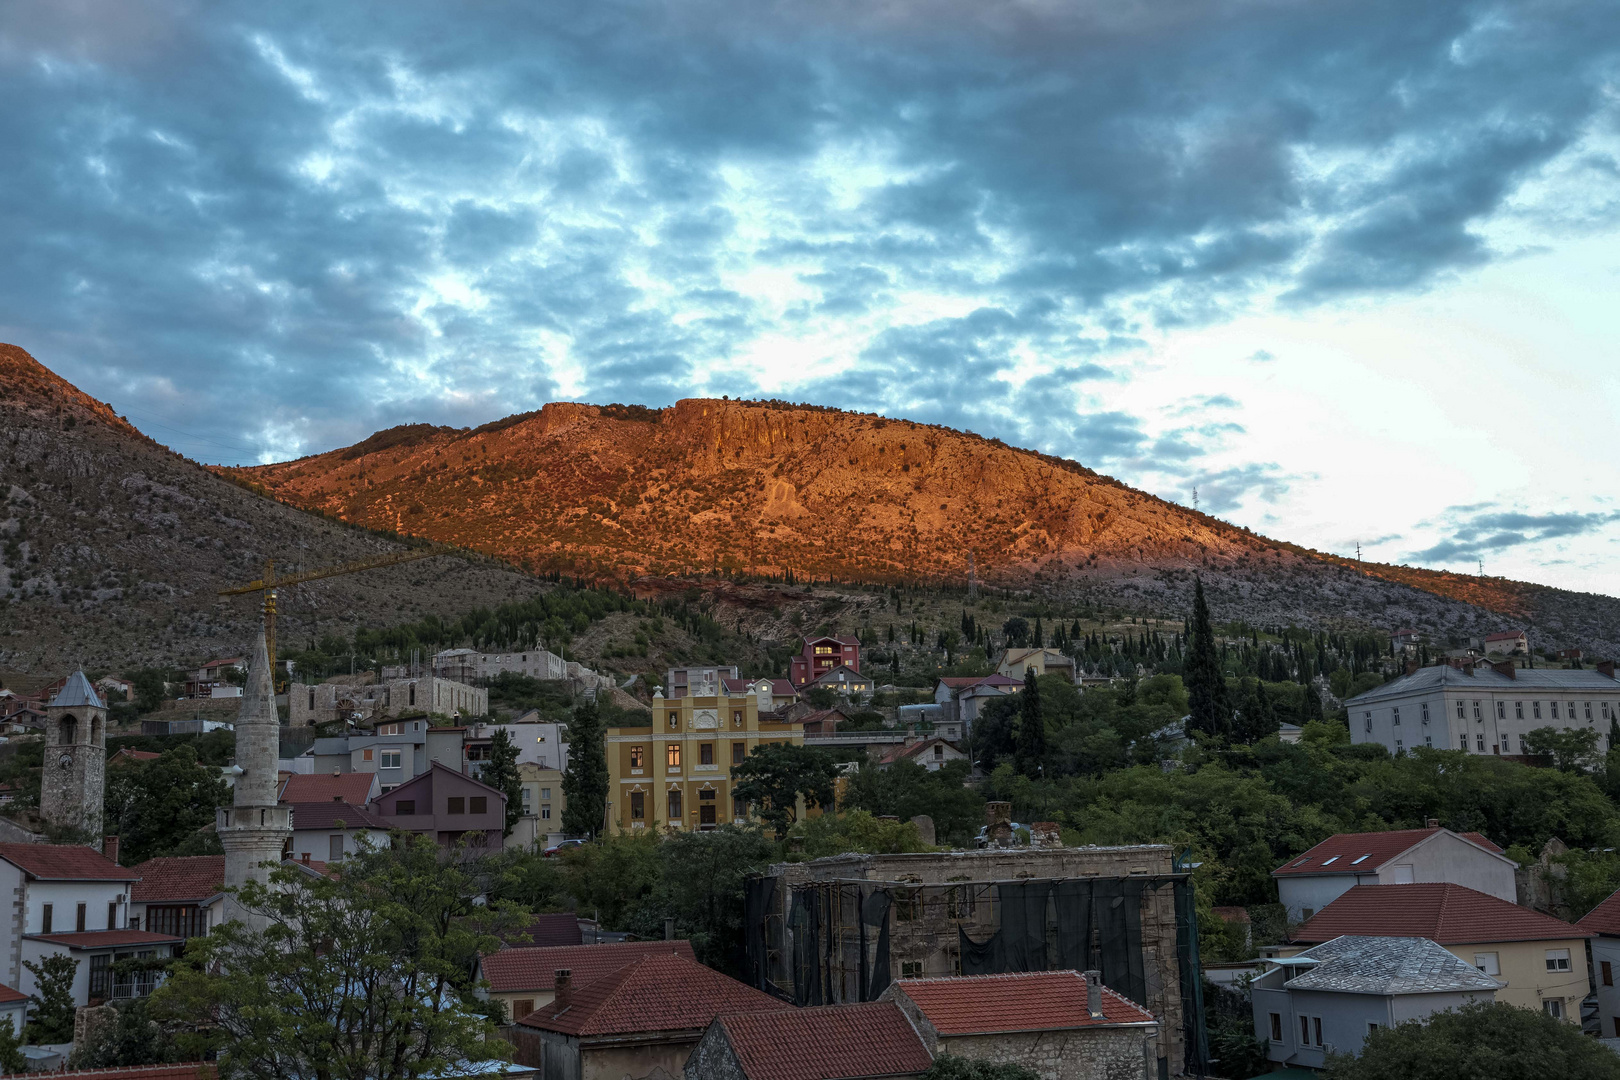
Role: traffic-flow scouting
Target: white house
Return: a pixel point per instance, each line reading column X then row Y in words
column 1507, row 643
column 328, row 831
column 1483, row 708
column 57, row 889
column 931, row 754
column 963, row 697
column 1603, row 922
column 1331, row 997
column 1309, row 882
column 95, row 952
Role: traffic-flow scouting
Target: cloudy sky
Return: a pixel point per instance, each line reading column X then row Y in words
column 1349, row 269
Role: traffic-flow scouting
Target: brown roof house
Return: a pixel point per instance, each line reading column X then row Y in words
column 524, row 980
column 647, row 1016
column 1063, row 1025
column 874, row 1041
column 447, row 806
column 180, row 895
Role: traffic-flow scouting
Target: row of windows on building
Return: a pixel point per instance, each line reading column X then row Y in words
column 672, row 755
column 736, row 719
column 545, row 803
column 47, row 918
column 455, row 804
column 1518, row 711
column 707, row 808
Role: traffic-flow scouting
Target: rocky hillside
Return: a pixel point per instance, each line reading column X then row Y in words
column 769, row 488
column 113, row 548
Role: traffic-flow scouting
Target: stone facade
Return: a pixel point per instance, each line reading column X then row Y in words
column 254, row 828
column 1102, row 1054
column 322, row 703
column 73, row 776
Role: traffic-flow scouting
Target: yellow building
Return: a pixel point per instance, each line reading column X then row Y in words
column 676, row 771
column 543, row 805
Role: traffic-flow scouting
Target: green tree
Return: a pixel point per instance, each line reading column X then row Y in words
column 11, row 1044
column 1206, row 684
column 614, row 876
column 1030, row 758
column 136, row 1039
column 951, row 1067
column 156, row 806
column 774, row 777
column 907, row 790
column 701, row 882
column 365, row 976
column 1570, row 749
column 585, row 783
column 1478, row 1040
column 51, row 1007
column 501, row 773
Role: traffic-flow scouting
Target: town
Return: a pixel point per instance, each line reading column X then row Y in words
column 888, row 911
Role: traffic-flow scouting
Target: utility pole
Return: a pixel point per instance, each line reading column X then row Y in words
column 1358, row 551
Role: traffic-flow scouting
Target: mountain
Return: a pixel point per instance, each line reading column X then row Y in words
column 113, row 548
column 769, row 488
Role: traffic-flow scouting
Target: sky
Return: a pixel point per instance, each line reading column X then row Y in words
column 1345, row 273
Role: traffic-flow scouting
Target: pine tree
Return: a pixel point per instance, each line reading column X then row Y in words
column 1206, row 685
column 1030, row 751
column 1040, row 639
column 502, row 774
column 585, row 783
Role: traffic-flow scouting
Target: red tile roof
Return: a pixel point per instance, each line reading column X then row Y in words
column 783, row 688
column 106, row 939
column 905, row 753
column 1360, row 853
column 511, row 971
column 166, row 880
column 1603, row 919
column 1035, row 1001
column 1504, row 635
column 191, row 1070
column 8, row 995
column 129, row 754
column 353, row 788
column 544, row 932
column 655, row 993
column 844, row 1041
column 1442, row 912
column 326, row 815
column 64, row 862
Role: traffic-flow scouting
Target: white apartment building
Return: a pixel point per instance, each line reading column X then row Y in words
column 1483, row 708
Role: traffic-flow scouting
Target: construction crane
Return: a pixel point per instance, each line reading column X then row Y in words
column 268, row 585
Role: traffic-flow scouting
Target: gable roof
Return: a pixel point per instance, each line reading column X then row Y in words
column 831, row 1042
column 1439, row 911
column 76, row 693
column 64, row 862
column 1386, row 966
column 783, row 688
column 1361, row 853
column 1033, row 1001
column 543, row 931
column 327, row 815
column 905, row 753
column 1504, row 635
column 514, row 970
column 127, row 753
column 655, row 993
column 105, row 939
column 840, row 673
column 353, row 788
column 8, row 995
column 1442, row 677
column 168, row 879
column 1603, row 919
column 437, row 767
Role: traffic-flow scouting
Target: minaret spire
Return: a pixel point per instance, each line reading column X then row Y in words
column 253, row 829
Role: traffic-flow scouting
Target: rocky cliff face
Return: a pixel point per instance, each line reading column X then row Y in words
column 113, row 548
column 768, row 488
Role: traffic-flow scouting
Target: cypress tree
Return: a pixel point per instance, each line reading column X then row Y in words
column 1030, row 751
column 585, row 783
column 1206, row 686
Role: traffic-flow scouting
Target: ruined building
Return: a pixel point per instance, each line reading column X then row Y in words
column 74, row 769
column 841, row 929
column 254, row 828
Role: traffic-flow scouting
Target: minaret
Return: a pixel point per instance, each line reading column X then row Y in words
column 254, row 829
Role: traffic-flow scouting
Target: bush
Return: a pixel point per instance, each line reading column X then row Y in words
column 1479, row 1040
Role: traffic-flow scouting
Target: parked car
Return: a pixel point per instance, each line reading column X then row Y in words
column 560, row 847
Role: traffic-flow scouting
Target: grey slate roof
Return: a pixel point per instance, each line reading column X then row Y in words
column 77, row 693
column 1524, row 680
column 1388, row 965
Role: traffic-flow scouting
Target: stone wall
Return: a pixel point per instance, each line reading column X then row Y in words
column 1095, row 1054
column 328, row 702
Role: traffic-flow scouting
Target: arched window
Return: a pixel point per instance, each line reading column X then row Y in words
column 68, row 732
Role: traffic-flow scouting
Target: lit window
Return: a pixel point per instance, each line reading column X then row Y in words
column 635, row 757
column 672, row 755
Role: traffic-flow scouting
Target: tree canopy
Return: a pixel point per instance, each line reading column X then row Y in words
column 1480, row 1040
column 776, row 775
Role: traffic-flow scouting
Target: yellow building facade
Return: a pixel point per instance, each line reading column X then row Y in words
column 676, row 772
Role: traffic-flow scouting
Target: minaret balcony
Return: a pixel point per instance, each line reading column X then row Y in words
column 237, row 818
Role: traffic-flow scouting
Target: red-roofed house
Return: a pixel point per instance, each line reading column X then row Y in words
column 647, row 1015
column 13, row 1008
column 1541, row 959
column 963, row 697
column 1308, row 882
column 354, row 788
column 1603, row 923
column 95, row 952
column 1507, row 643
column 189, row 1070
column 1060, row 1024
column 130, row 756
column 821, row 655
column 179, row 895
column 56, row 887
column 931, row 754
column 850, row 1042
column 331, row 830
column 524, row 979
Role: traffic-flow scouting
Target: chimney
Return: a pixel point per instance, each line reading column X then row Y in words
column 306, row 858
column 109, row 848
column 336, row 771
column 1433, row 823
column 563, row 992
column 1411, row 667
column 1504, row 667
column 1094, row 994
column 1606, row 668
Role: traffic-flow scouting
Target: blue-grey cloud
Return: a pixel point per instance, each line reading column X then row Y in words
column 345, row 219
column 1475, row 534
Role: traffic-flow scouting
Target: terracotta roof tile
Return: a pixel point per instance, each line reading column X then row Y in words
column 191, row 1070
column 64, row 862
column 545, row 931
column 833, row 1042
column 99, row 939
column 326, row 815
column 192, row 877
column 1358, row 853
column 1035, row 1001
column 1442, row 912
column 1603, row 919
column 511, row 971
column 8, row 995
column 655, row 993
column 353, row 788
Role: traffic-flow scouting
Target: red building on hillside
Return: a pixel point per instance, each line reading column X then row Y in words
column 821, row 655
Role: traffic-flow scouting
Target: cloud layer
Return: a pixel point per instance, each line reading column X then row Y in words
column 266, row 230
